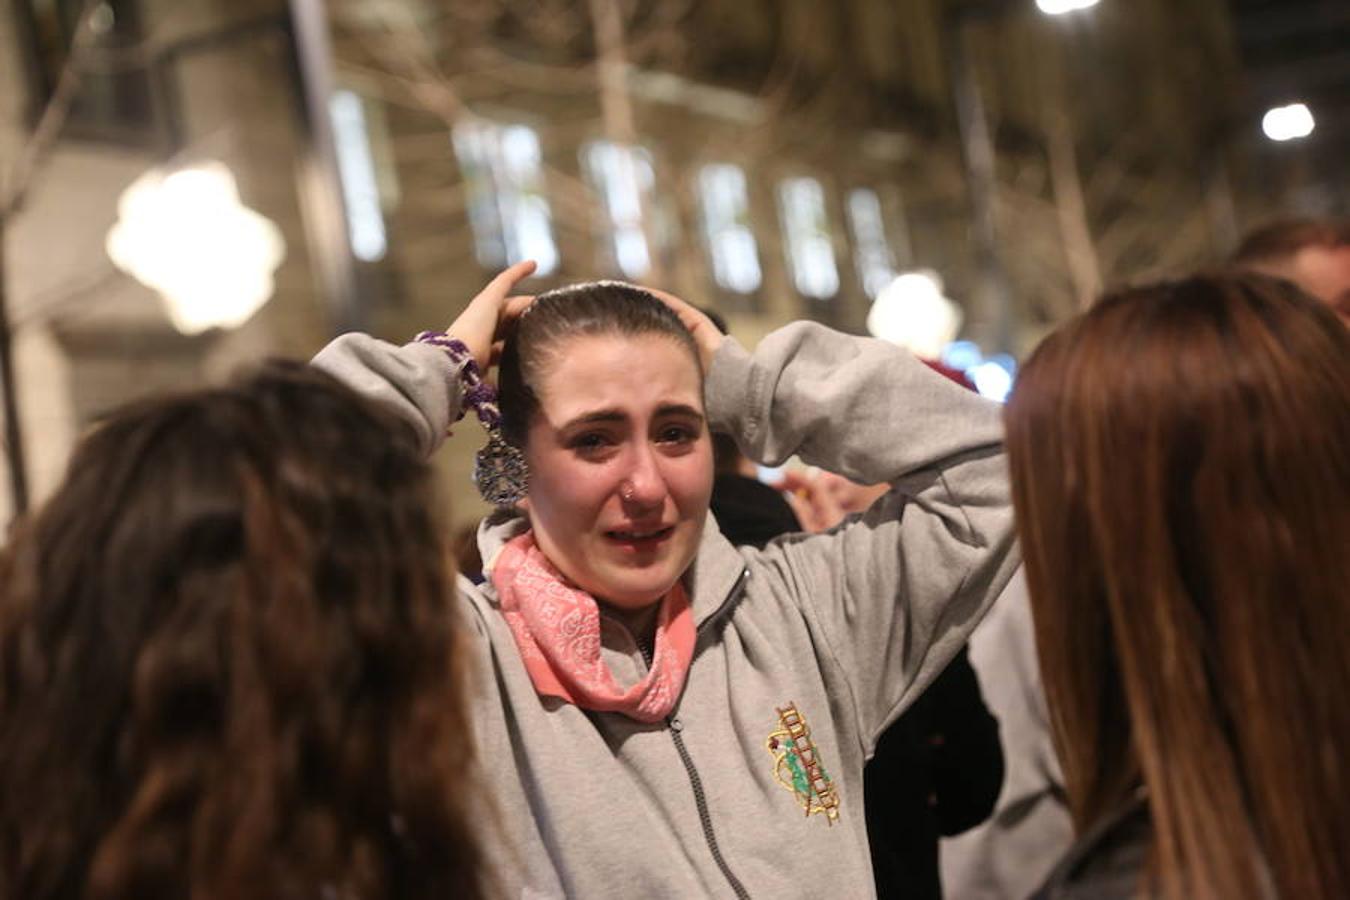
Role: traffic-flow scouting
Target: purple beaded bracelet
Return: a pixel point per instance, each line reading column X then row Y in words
column 499, row 469
column 479, row 395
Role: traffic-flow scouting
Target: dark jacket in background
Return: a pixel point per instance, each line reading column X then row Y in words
column 749, row 512
column 937, row 770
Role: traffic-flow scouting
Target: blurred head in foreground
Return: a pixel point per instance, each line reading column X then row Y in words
column 1181, row 473
column 227, row 660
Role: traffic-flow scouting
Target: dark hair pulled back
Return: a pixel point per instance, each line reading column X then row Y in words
column 581, row 310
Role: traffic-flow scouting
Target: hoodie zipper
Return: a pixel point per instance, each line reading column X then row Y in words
column 704, row 817
column 674, row 726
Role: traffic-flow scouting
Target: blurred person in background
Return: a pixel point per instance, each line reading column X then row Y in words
column 1180, row 457
column 1312, row 253
column 936, row 772
column 1030, row 830
column 749, row 512
column 230, row 663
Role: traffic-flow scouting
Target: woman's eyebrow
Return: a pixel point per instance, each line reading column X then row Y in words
column 594, row 417
column 611, row 416
column 679, row 409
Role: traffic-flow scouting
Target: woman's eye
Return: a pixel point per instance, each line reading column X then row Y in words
column 677, row 434
column 590, row 442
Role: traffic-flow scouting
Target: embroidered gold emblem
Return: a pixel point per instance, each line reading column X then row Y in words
column 797, row 765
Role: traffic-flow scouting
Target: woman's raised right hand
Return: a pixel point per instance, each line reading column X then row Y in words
column 483, row 323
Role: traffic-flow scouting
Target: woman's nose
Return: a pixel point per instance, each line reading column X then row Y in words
column 644, row 485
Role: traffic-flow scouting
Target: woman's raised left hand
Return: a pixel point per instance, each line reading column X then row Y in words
column 707, row 337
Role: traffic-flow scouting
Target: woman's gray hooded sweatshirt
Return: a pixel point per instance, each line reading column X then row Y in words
column 832, row 634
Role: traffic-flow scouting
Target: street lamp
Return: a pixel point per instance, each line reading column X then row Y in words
column 186, row 235
column 913, row 312
column 1060, row 7
column 1289, row 123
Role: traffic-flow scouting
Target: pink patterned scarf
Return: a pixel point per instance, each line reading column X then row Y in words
column 557, row 630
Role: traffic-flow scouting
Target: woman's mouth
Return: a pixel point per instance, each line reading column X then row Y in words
column 640, row 539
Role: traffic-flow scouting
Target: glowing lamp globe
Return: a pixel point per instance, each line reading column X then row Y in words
column 185, row 235
column 911, row 311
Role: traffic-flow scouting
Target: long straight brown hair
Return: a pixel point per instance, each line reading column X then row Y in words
column 1181, row 471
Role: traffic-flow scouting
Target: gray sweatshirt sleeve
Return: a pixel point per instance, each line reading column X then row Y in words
column 416, row 382
column 895, row 592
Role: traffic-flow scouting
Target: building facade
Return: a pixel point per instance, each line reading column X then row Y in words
column 771, row 159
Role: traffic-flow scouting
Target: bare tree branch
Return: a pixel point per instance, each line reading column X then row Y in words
column 53, row 118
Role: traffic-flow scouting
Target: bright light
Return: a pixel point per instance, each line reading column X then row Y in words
column 992, row 379
column 186, row 235
column 872, row 252
column 624, row 178
column 1289, row 123
column 360, row 185
column 912, row 312
column 962, row 355
column 1060, row 7
column 725, row 203
column 806, row 231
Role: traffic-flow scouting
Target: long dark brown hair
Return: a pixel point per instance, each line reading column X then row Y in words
column 1181, row 472
column 227, row 661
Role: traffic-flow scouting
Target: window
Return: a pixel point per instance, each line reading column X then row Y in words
column 806, row 231
column 624, row 178
column 507, row 208
column 360, row 180
column 871, row 252
column 114, row 97
column 725, row 206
